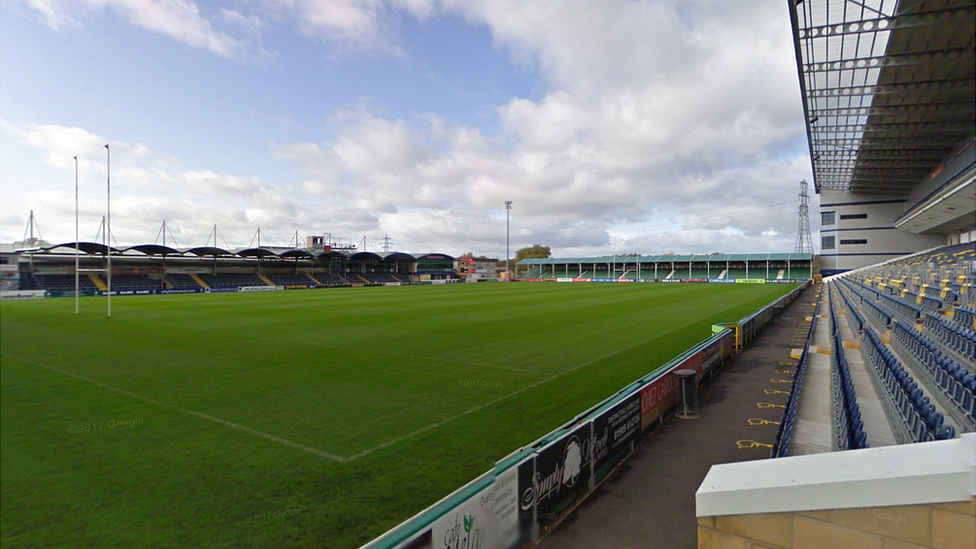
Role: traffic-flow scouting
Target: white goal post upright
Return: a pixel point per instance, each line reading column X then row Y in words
column 108, row 226
column 105, row 230
column 77, row 245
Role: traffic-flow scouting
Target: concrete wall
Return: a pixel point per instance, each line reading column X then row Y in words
column 906, row 496
column 950, row 525
column 884, row 241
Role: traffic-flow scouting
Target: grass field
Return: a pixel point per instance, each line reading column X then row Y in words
column 306, row 419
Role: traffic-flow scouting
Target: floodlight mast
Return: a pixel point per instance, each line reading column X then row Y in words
column 508, row 255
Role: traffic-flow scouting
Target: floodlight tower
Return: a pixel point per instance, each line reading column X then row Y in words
column 508, row 266
column 804, row 243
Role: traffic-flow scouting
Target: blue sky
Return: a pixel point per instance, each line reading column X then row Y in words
column 664, row 125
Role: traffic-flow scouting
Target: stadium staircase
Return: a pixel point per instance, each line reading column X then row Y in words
column 779, row 275
column 314, row 280
column 723, row 273
column 266, row 280
column 98, row 282
column 196, row 278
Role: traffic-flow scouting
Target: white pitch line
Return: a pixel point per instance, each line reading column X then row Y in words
column 501, row 398
column 225, row 423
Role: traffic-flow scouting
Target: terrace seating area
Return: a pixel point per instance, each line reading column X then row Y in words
column 289, row 279
column 64, row 282
column 380, row 278
column 232, row 280
column 135, row 282
column 902, row 353
column 848, row 424
column 181, row 281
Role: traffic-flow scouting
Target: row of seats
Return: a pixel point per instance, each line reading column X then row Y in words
column 950, row 334
column 956, row 384
column 929, row 303
column 956, row 337
column 182, row 281
column 330, row 280
column 850, row 426
column 64, row 282
column 232, row 280
column 380, row 278
column 135, row 282
column 966, row 317
column 784, row 435
column 909, row 311
column 920, row 419
column 854, row 316
column 289, row 279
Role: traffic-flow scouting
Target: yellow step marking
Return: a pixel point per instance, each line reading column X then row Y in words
column 743, row 444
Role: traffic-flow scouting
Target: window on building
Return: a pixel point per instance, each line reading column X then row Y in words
column 854, row 241
column 826, row 243
column 853, row 216
column 827, row 218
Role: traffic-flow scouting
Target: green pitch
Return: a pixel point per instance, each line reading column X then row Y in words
column 315, row 418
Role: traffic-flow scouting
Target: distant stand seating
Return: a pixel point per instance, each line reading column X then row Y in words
column 181, row 281
column 135, row 282
column 232, row 280
column 380, row 278
column 329, row 280
column 64, row 282
column 289, row 279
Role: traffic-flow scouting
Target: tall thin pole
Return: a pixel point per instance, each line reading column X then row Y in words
column 77, row 275
column 508, row 255
column 108, row 224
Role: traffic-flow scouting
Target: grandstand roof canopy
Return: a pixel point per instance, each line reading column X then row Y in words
column 889, row 89
column 87, row 247
column 207, row 250
column 154, row 249
column 666, row 259
column 94, row 248
column 256, row 252
column 296, row 254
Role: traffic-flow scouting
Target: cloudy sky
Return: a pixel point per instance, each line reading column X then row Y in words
column 658, row 126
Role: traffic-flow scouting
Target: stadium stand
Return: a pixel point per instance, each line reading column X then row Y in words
column 784, row 435
column 290, row 279
column 849, row 427
column 64, row 282
column 135, row 282
column 180, row 281
column 232, row 280
column 379, row 278
column 329, row 280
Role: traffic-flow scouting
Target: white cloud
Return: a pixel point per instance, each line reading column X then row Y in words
column 675, row 125
column 181, row 20
column 146, row 189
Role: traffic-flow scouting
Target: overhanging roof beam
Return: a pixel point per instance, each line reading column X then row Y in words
column 894, row 60
column 933, row 144
column 958, row 107
column 883, row 155
column 941, row 86
column 882, row 24
column 913, row 127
